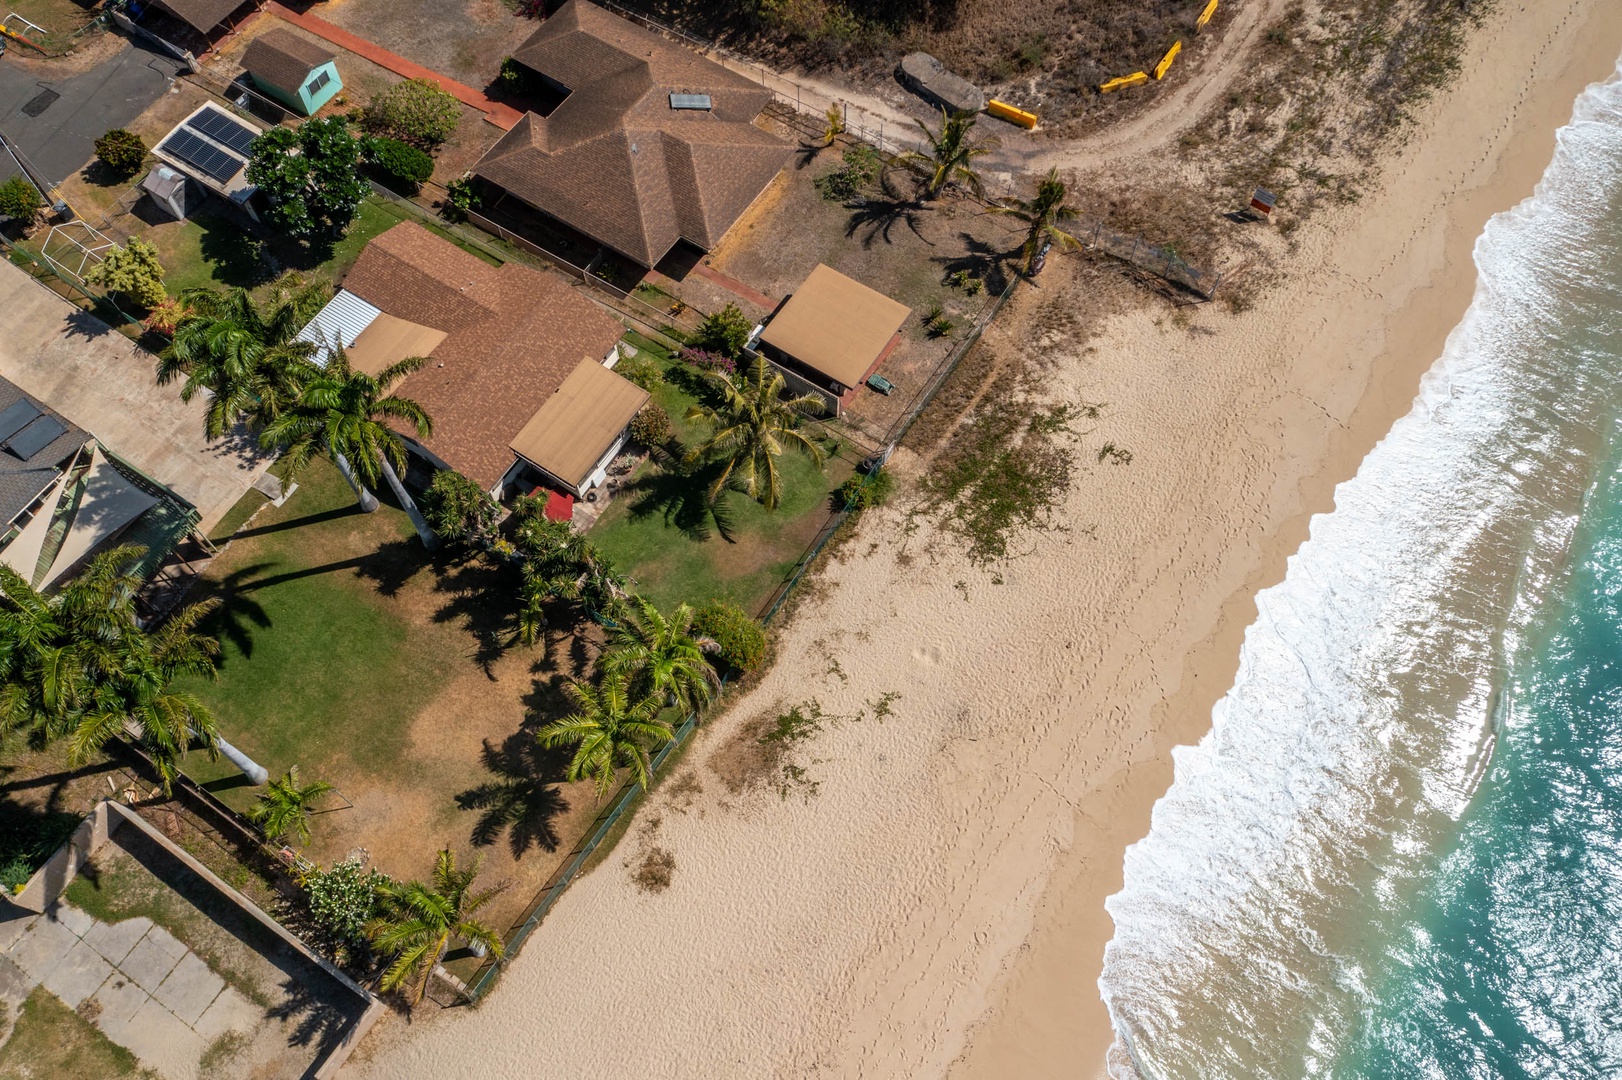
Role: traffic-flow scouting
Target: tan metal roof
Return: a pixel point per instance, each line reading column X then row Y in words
column 835, row 325
column 577, row 425
column 388, row 340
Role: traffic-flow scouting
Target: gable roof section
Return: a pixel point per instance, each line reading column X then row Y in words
column 569, row 434
column 836, row 325
column 512, row 336
column 200, row 15
column 282, row 59
column 615, row 161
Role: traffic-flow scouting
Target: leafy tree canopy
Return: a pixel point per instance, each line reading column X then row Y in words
column 132, row 270
column 310, row 176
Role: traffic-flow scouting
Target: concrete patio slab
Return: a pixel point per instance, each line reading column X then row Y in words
column 119, row 999
column 14, row 926
column 70, row 917
column 161, row 1042
column 115, row 940
column 149, row 963
column 230, row 1012
column 44, row 945
column 105, row 383
column 190, row 989
column 79, row 975
column 15, row 985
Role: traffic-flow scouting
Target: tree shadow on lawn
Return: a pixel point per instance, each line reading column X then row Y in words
column 876, row 218
column 235, row 258
column 483, row 600
column 679, row 493
column 523, row 797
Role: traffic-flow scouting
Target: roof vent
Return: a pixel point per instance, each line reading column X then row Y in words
column 696, row 102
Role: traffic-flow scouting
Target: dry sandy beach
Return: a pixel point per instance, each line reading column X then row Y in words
column 935, row 906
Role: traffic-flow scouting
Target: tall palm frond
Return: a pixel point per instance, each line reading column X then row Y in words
column 420, row 919
column 951, row 154
column 1046, row 214
column 284, row 806
column 661, row 655
column 750, row 429
column 609, row 731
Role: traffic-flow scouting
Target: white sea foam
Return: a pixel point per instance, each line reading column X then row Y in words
column 1255, row 910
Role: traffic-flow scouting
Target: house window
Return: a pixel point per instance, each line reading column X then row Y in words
column 317, row 83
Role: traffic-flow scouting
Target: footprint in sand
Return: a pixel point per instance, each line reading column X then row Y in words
column 927, row 654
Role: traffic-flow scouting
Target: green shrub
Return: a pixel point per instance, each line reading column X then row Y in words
column 342, row 900
column 457, row 508
column 859, row 492
column 461, row 197
column 513, row 77
column 725, row 332
column 860, row 169
column 133, row 271
column 121, row 151
column 644, row 371
column 742, row 642
column 651, row 425
column 18, row 199
column 404, row 163
column 416, row 111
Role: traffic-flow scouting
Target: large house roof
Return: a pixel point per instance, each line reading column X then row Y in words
column 282, row 59
column 512, row 336
column 617, row 160
column 201, row 15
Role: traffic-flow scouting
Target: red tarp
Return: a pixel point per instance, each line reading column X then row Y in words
column 559, row 507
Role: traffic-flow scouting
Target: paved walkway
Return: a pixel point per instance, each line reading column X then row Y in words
column 145, row 990
column 503, row 116
column 105, row 383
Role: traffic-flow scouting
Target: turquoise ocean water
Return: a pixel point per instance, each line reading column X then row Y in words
column 1399, row 851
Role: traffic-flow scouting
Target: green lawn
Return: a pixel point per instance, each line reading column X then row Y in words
column 51, row 1039
column 660, row 533
column 210, row 251
column 316, row 669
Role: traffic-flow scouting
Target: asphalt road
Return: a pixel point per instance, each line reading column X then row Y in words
column 60, row 140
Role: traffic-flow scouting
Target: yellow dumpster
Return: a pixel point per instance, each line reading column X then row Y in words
column 1005, row 111
column 1205, row 16
column 1165, row 61
column 1137, row 78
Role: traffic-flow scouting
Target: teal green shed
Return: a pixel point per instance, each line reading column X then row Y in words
column 300, row 73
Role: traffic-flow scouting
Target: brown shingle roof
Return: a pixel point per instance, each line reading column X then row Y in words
column 201, row 15
column 282, row 59
column 614, row 160
column 512, row 336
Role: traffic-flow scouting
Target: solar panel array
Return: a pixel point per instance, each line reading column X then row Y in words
column 203, row 156
column 16, row 417
column 39, row 433
column 225, row 130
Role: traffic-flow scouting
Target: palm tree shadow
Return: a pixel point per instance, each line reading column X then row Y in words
column 393, row 565
column 482, row 599
column 679, row 493
column 980, row 260
column 877, row 218
column 239, row 613
column 523, row 797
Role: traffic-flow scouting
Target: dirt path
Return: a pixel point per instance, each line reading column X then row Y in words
column 1195, row 93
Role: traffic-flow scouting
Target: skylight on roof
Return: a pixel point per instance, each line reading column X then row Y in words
column 697, row 102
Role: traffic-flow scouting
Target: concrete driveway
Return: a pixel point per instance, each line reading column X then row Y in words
column 59, row 137
column 104, row 382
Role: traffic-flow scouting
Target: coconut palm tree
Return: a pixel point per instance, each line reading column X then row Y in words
column 749, row 430
column 1045, row 215
column 661, row 655
column 609, row 731
column 346, row 413
column 951, row 154
column 241, row 352
column 420, row 919
column 560, row 564
column 284, row 806
column 77, row 665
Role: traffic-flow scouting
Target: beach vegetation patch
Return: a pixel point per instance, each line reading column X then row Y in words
column 1001, row 476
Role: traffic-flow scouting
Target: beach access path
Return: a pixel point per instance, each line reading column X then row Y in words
column 935, row 907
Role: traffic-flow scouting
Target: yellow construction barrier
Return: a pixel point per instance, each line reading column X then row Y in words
column 1165, row 61
column 1205, row 16
column 1137, row 78
column 1005, row 111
